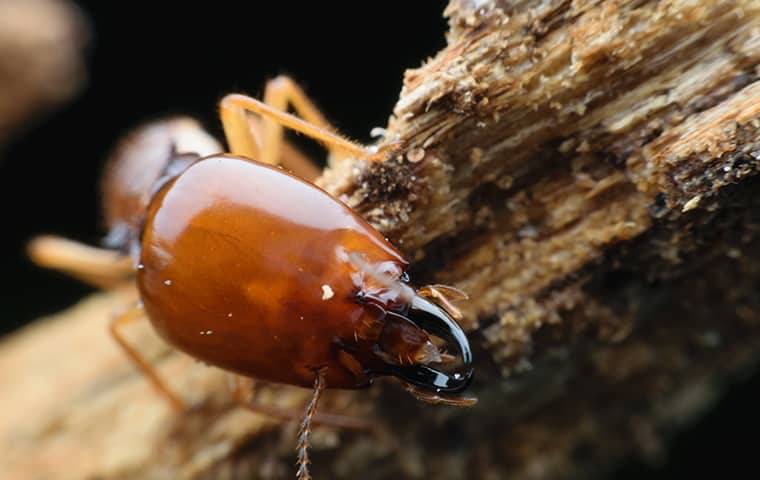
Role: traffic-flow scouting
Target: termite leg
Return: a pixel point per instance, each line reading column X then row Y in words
column 279, row 92
column 262, row 139
column 98, row 267
column 136, row 313
column 242, row 392
column 241, row 138
column 298, row 163
column 264, row 145
column 286, row 154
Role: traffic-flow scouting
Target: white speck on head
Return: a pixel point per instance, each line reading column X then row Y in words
column 140, row 266
column 167, row 283
column 327, row 292
column 229, row 315
column 209, row 332
column 301, row 317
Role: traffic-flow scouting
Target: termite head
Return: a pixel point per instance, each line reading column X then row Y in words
column 417, row 331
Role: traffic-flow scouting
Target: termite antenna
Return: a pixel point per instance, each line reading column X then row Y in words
column 305, row 431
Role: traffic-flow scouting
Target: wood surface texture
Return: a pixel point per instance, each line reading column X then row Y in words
column 585, row 170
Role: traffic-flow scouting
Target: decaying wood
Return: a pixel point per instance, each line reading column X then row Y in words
column 41, row 58
column 585, row 170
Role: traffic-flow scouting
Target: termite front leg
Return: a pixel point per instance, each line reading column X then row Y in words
column 136, row 313
column 279, row 94
column 263, row 140
column 265, row 143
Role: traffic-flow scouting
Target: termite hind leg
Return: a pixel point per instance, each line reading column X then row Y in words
column 159, row 384
column 241, row 138
column 98, row 267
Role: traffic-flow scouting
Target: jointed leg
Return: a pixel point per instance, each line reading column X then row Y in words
column 279, row 93
column 136, row 313
column 266, row 147
column 290, row 157
column 240, row 135
column 298, row 163
column 99, row 267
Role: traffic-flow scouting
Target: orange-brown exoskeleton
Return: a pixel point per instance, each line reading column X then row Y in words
column 258, row 271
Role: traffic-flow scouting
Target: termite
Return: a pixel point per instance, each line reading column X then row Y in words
column 250, row 268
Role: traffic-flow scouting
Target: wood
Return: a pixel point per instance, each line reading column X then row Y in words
column 584, row 171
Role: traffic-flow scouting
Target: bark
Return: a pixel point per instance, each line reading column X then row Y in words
column 585, row 170
column 41, row 59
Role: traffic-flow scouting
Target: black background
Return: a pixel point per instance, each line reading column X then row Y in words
column 145, row 63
